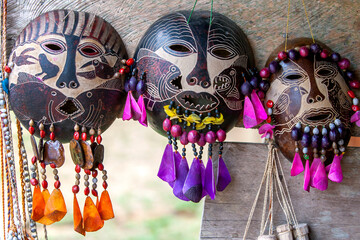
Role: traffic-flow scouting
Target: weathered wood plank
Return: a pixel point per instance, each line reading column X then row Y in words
column 333, row 214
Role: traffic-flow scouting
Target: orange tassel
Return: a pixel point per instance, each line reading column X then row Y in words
column 44, row 220
column 105, row 207
column 92, row 219
column 55, row 208
column 38, row 204
column 78, row 220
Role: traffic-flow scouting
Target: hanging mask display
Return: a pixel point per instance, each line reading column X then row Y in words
column 190, row 71
column 66, row 85
column 310, row 106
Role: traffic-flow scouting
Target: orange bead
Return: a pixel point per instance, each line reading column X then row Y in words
column 38, row 205
column 92, row 220
column 105, row 207
column 78, row 220
column 55, row 208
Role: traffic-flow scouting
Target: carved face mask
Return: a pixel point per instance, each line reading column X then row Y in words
column 193, row 73
column 64, row 66
column 309, row 103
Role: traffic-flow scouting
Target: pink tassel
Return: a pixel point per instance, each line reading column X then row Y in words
column 307, row 176
column 335, row 173
column 266, row 129
column 314, row 166
column 127, row 115
column 260, row 112
column 297, row 165
column 141, row 104
column 135, row 109
column 356, row 118
column 249, row 114
column 320, row 180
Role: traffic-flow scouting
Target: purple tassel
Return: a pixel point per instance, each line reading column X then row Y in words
column 193, row 183
column 223, row 176
column 167, row 165
column 177, row 159
column 297, row 165
column 202, row 166
column 307, row 176
column 181, row 172
column 320, row 180
column 143, row 118
column 258, row 107
column 335, row 173
column 209, row 179
column 249, row 118
column 314, row 165
column 127, row 115
column 135, row 109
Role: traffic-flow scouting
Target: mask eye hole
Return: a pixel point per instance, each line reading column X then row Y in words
column 89, row 50
column 53, row 46
column 324, row 72
column 294, row 76
column 180, row 48
column 223, row 53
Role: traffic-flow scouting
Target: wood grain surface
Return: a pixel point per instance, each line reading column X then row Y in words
column 332, row 214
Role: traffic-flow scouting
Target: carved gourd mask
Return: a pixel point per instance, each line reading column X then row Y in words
column 310, row 106
column 193, row 73
column 64, row 66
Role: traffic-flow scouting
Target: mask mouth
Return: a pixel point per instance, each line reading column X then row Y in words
column 70, row 107
column 316, row 116
column 200, row 102
column 176, row 83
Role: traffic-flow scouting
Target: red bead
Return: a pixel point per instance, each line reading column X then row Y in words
column 268, row 120
column 127, row 70
column 351, row 94
column 176, row 131
column 57, row 184
column 130, row 61
column 33, row 159
column 42, row 164
column 77, row 168
column 94, row 173
column 354, row 84
column 87, row 191
column 52, row 165
column 167, row 124
column 76, row 135
column 7, row 69
column 44, row 184
column 324, row 54
column 52, row 136
column 282, row 55
column 34, row 181
column 304, row 51
column 84, row 136
column 122, row 71
column 94, row 192
column 42, row 133
column 75, row 189
column 344, row 63
column 31, row 130
column 92, row 138
column 101, row 166
column 269, row 104
column 355, row 108
column 264, row 73
column 105, row 185
column 87, row 171
column 99, row 139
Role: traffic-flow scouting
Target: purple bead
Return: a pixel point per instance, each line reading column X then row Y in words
column 202, row 141
column 344, row 63
column 342, row 132
column 315, row 48
column 296, row 134
column 167, row 124
column 254, row 81
column 350, row 75
column 126, row 87
column 221, row 135
column 184, row 138
column 140, row 87
column 325, row 143
column 246, row 88
column 305, row 140
column 176, row 131
column 193, row 136
column 316, row 141
column 335, row 57
column 264, row 85
column 132, row 83
column 333, row 135
column 293, row 54
column 274, row 66
column 210, row 137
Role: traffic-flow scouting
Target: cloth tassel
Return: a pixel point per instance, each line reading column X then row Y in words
column 209, row 179
column 177, row 159
column 314, row 165
column 223, row 176
column 320, row 180
column 297, row 166
column 202, row 167
column 307, row 176
column 249, row 118
column 92, row 220
column 45, row 220
column 167, row 166
column 335, row 172
column 78, row 220
column 143, row 118
column 104, row 206
column 193, row 183
column 135, row 109
column 38, row 204
column 127, row 115
column 260, row 112
column 181, row 172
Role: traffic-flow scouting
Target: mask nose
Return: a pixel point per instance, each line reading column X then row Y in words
column 71, row 84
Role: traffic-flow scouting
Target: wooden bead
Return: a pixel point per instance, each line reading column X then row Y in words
column 41, row 127
column 76, row 128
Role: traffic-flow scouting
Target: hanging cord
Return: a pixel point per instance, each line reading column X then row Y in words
column 192, row 11
column 211, row 11
column 287, row 25
column 3, row 40
column 2, row 182
column 307, row 18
